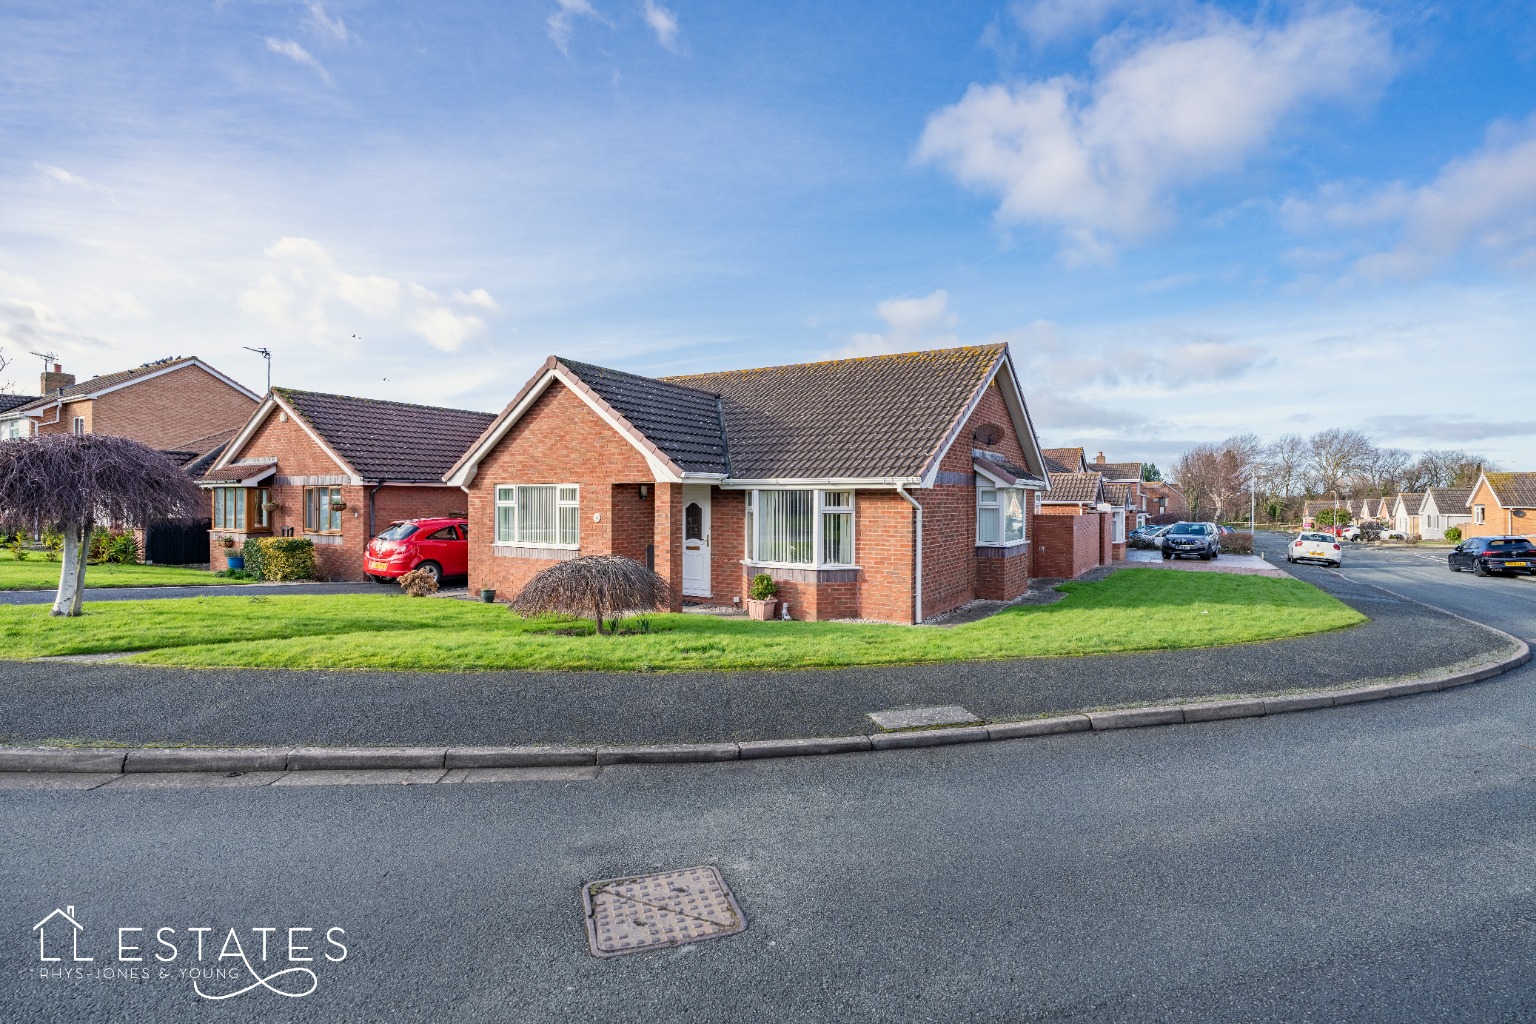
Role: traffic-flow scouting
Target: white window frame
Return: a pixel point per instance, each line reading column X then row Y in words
column 1117, row 529
column 820, row 508
column 498, row 502
column 1479, row 514
column 78, row 426
column 997, row 505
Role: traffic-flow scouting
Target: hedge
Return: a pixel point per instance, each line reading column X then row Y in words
column 280, row 558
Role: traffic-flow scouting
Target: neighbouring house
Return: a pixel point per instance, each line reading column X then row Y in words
column 1164, row 498
column 1442, row 509
column 1065, row 460
column 18, row 425
column 1075, row 528
column 892, row 487
column 1405, row 513
column 335, row 469
column 170, row 404
column 1123, row 502
column 1129, row 474
column 1500, row 504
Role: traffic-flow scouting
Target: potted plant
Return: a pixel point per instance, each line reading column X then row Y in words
column 270, row 506
column 228, row 542
column 762, row 604
column 337, row 505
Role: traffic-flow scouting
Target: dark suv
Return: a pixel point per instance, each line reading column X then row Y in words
column 1202, row 539
column 1487, row 556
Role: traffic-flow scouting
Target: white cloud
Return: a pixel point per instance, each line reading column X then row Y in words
column 64, row 177
column 562, row 23
column 296, row 53
column 304, row 287
column 1485, row 202
column 326, row 24
column 910, row 324
column 663, row 22
column 1047, row 21
column 1099, row 158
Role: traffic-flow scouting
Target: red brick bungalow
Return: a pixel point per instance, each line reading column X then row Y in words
column 307, row 453
column 892, row 487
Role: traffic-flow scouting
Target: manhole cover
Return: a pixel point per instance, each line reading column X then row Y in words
column 673, row 908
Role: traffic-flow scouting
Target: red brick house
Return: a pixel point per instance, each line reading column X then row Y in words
column 1502, row 503
column 891, row 487
column 1128, row 474
column 176, row 405
column 337, row 470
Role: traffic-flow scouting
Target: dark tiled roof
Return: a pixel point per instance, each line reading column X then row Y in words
column 1450, row 499
column 389, row 440
column 1118, row 470
column 1117, row 494
column 198, row 465
column 876, row 417
column 242, row 470
column 1412, row 501
column 106, row 380
column 1514, row 490
column 684, row 422
column 1074, row 487
column 1063, row 460
column 9, row 402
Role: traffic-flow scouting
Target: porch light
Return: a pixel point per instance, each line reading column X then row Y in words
column 645, row 491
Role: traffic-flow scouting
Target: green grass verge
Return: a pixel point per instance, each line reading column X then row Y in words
column 37, row 573
column 1135, row 609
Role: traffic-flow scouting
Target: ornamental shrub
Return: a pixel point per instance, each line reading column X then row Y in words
column 1453, row 534
column 1237, row 544
column 280, row 558
column 762, row 587
column 116, row 546
column 418, row 583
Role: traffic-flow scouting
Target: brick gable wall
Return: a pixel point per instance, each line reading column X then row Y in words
column 561, row 440
column 183, row 405
column 1497, row 521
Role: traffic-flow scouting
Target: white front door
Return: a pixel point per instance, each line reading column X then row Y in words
column 695, row 541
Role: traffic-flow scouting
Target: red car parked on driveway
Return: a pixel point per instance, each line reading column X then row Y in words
column 439, row 545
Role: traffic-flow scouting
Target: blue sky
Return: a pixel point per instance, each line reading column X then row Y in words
column 1189, row 220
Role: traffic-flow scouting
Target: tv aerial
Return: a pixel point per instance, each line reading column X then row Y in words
column 266, row 354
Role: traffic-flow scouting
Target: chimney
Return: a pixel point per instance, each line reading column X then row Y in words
column 57, row 379
column 1099, row 461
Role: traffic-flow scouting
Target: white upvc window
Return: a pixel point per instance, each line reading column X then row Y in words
column 999, row 514
column 12, row 429
column 1478, row 514
column 800, row 528
column 1117, row 534
column 79, row 425
column 541, row 515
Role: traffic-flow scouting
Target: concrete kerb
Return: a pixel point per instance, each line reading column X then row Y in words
column 124, row 760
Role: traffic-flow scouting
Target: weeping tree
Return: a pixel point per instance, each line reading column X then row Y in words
column 72, row 482
column 595, row 587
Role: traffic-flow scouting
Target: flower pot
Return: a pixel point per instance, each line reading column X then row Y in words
column 338, row 506
column 228, row 542
column 487, row 597
column 270, row 506
column 235, row 561
column 762, row 611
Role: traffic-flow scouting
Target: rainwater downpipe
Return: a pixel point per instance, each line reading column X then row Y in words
column 917, row 574
column 372, row 533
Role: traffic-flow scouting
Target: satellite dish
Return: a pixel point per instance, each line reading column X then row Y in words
column 988, row 434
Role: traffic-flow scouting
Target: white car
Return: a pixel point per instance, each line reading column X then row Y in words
column 1350, row 532
column 1315, row 547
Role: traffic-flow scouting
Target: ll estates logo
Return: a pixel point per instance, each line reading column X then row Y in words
column 218, row 962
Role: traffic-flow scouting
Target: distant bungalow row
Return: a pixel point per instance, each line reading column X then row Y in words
column 1499, row 504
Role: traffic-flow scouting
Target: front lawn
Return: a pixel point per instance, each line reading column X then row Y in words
column 1134, row 609
column 37, row 573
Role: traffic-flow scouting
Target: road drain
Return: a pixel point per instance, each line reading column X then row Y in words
column 672, row 908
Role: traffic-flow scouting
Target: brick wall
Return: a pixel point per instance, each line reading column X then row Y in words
column 1497, row 521
column 66, row 420
column 727, row 545
column 561, row 440
column 1065, row 547
column 884, row 536
column 186, row 404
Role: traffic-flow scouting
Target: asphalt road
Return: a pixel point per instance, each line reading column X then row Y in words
column 1370, row 862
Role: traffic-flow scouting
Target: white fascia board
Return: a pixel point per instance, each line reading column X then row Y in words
column 932, row 473
column 824, row 483
column 238, row 442
column 466, row 473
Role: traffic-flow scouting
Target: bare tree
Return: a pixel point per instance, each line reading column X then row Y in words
column 1337, row 455
column 593, row 587
column 1199, row 473
column 71, row 482
column 1447, row 468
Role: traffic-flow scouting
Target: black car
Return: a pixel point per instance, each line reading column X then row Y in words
column 1202, row 539
column 1488, row 556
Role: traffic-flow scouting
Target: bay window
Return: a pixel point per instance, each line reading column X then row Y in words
column 999, row 514
column 800, row 527
column 239, row 509
column 547, row 515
